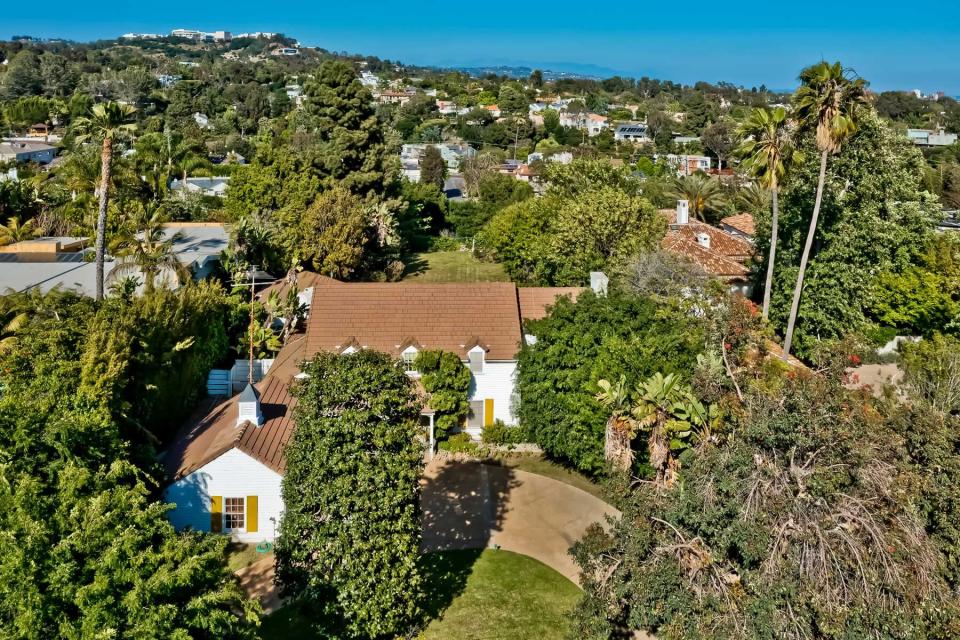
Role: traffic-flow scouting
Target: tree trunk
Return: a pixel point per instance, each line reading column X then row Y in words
column 659, row 450
column 773, row 251
column 617, row 449
column 795, row 305
column 106, row 156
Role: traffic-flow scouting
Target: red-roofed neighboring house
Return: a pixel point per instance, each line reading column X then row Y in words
column 227, row 462
column 720, row 254
column 740, row 225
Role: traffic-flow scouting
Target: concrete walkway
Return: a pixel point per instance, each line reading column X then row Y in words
column 469, row 505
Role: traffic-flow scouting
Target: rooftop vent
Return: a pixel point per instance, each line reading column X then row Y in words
column 703, row 239
column 248, row 407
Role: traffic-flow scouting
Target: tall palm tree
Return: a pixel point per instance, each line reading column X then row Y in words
column 828, row 101
column 701, row 191
column 144, row 248
column 16, row 231
column 168, row 156
column 108, row 121
column 768, row 151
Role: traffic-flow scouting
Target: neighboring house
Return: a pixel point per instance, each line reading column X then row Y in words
column 452, row 154
column 632, row 132
column 215, row 186
column 202, row 120
column 686, row 164
column 227, row 462
column 720, row 254
column 592, row 123
column 950, row 222
column 740, row 225
column 493, row 109
column 285, row 51
column 394, row 97
column 166, row 80
column 23, row 151
column 67, row 262
column 447, row 107
column 928, row 138
column 369, row 80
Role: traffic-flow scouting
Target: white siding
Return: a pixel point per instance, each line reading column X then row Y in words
column 497, row 382
column 232, row 475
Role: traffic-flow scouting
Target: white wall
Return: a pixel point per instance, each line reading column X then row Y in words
column 232, row 475
column 498, row 382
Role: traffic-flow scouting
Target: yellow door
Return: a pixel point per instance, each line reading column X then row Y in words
column 488, row 412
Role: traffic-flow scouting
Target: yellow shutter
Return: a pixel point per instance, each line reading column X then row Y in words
column 216, row 514
column 488, row 412
column 252, row 514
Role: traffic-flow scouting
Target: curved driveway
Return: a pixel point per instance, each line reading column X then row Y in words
column 469, row 505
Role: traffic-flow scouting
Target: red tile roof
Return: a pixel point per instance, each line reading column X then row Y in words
column 742, row 222
column 382, row 316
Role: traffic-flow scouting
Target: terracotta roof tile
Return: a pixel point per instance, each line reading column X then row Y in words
column 742, row 222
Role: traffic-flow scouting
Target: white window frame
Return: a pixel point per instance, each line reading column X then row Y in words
column 477, row 350
column 227, row 513
column 408, row 356
column 349, row 350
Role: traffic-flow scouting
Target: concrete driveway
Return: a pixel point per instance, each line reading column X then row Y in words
column 468, row 505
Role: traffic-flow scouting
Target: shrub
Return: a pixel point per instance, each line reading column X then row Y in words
column 444, row 243
column 500, row 433
column 448, row 383
column 459, row 443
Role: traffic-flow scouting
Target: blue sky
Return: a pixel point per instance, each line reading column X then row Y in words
column 895, row 45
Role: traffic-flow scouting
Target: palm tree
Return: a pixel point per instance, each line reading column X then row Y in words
column 144, row 247
column 15, row 231
column 10, row 323
column 621, row 427
column 701, row 191
column 167, row 156
column 828, row 100
column 768, row 151
column 107, row 122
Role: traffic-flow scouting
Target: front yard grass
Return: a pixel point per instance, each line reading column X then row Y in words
column 452, row 266
column 240, row 555
column 473, row 595
column 536, row 463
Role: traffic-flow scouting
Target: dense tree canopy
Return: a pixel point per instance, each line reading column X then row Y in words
column 350, row 535
column 875, row 218
column 596, row 338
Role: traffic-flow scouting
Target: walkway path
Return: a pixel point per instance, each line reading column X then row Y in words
column 470, row 505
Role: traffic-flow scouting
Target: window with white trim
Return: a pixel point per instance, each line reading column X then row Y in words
column 233, row 514
column 409, row 356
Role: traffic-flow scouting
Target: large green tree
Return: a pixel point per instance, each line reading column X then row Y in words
column 875, row 219
column 829, row 102
column 596, row 338
column 350, row 536
column 351, row 147
column 802, row 524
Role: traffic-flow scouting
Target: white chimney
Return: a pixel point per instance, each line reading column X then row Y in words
column 683, row 211
column 248, row 407
column 599, row 282
column 703, row 239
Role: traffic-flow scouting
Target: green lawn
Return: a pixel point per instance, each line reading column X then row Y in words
column 474, row 595
column 452, row 266
column 536, row 463
column 240, row 555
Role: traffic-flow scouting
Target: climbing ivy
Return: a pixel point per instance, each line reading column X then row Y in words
column 448, row 382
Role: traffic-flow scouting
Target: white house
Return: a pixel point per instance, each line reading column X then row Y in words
column 928, row 138
column 632, row 132
column 215, row 186
column 227, row 462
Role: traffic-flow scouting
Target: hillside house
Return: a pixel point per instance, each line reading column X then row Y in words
column 227, row 462
column 23, row 151
column 720, row 254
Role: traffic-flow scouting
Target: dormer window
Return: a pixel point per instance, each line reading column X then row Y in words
column 409, row 357
column 476, row 356
column 348, row 351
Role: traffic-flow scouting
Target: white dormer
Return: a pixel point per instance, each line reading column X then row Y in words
column 248, row 407
column 476, row 356
column 349, row 350
column 703, row 239
column 409, row 356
